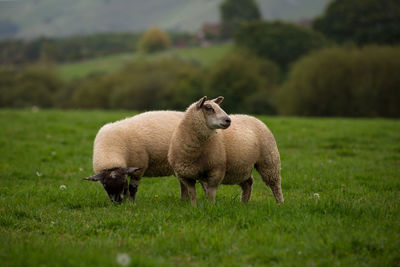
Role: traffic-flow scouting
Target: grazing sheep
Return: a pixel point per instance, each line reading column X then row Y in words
column 200, row 150
column 135, row 147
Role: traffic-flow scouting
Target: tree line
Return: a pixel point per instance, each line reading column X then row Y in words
column 77, row 48
column 333, row 81
column 275, row 68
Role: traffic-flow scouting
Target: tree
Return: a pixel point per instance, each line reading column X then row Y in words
column 140, row 85
column 235, row 12
column 29, row 86
column 362, row 21
column 154, row 40
column 280, row 42
column 344, row 82
column 246, row 80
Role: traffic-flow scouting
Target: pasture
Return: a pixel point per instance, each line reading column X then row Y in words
column 340, row 180
column 204, row 56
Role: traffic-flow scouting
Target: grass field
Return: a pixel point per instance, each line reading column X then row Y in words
column 205, row 56
column 353, row 164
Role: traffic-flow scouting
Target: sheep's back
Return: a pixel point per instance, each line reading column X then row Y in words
column 154, row 131
column 139, row 141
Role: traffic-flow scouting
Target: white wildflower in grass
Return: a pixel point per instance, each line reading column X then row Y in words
column 81, row 169
column 123, row 259
column 63, row 187
column 316, row 195
column 53, row 153
column 38, row 174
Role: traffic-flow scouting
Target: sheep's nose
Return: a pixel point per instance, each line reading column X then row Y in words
column 228, row 120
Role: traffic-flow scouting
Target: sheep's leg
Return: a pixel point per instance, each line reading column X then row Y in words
column 211, row 193
column 213, row 181
column 271, row 175
column 191, row 189
column 133, row 187
column 246, row 189
column 277, row 190
column 184, row 191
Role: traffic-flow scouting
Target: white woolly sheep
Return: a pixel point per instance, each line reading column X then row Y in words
column 215, row 149
column 135, row 147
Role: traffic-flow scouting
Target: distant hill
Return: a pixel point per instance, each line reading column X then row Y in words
column 34, row 18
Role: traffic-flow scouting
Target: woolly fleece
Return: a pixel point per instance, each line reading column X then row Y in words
column 140, row 141
column 225, row 156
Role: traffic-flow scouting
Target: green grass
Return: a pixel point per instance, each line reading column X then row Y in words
column 353, row 164
column 205, row 56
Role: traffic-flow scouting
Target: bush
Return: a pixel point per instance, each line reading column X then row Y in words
column 361, row 21
column 31, row 86
column 65, row 49
column 344, row 82
column 142, row 86
column 154, row 40
column 280, row 42
column 92, row 92
column 246, row 81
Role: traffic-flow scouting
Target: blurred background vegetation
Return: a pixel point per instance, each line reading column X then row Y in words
column 343, row 61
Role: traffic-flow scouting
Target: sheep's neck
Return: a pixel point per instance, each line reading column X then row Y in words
column 196, row 136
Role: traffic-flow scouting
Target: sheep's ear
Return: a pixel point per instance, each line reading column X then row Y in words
column 201, row 102
column 218, row 100
column 94, row 178
column 130, row 171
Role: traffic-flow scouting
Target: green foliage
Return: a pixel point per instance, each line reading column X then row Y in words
column 93, row 92
column 142, row 85
column 280, row 42
column 33, row 86
column 361, row 21
column 78, row 48
column 234, row 13
column 154, row 40
column 344, row 82
column 335, row 82
column 247, row 81
column 13, row 52
column 351, row 164
column 204, row 56
column 66, row 49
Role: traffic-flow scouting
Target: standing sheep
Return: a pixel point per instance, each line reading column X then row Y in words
column 200, row 150
column 135, row 147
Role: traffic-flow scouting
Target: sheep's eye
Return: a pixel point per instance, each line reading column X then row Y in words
column 208, row 108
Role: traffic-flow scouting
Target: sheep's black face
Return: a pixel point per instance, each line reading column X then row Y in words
column 115, row 182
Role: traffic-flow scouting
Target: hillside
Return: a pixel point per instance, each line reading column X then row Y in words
column 205, row 56
column 30, row 19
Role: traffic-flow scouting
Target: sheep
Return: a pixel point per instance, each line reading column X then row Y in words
column 214, row 148
column 135, row 147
